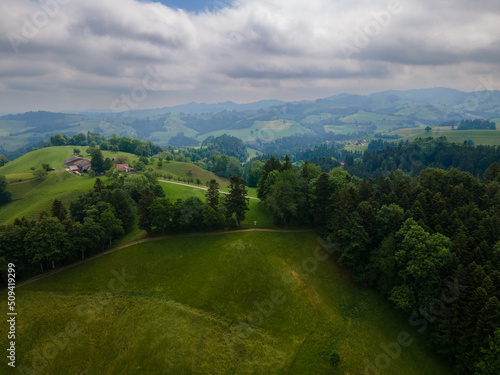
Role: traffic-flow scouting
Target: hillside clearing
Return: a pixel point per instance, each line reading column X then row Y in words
column 202, row 304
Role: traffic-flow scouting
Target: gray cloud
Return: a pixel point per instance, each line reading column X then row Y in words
column 93, row 50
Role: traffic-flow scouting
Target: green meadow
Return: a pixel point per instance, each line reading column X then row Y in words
column 239, row 303
column 479, row 137
column 187, row 170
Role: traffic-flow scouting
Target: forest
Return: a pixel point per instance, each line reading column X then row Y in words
column 411, row 158
column 429, row 243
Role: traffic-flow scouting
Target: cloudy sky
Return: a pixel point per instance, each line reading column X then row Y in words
column 127, row 54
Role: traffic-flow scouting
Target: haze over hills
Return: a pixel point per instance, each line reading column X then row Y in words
column 344, row 116
column 438, row 95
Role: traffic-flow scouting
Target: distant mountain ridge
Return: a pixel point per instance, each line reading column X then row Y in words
column 346, row 116
column 194, row 108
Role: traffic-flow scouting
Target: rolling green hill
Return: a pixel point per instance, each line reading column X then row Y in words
column 188, row 170
column 479, row 137
column 239, row 303
column 31, row 196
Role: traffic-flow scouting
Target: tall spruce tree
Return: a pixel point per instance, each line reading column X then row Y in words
column 212, row 194
column 146, row 200
column 236, row 201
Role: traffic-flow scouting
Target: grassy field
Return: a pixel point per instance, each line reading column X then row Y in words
column 34, row 196
column 239, row 303
column 353, row 148
column 54, row 156
column 188, row 170
column 363, row 116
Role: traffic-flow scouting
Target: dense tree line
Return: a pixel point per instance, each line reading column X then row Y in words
column 115, row 143
column 5, row 195
column 3, row 160
column 181, row 141
column 192, row 214
column 219, row 121
column 107, row 212
column 429, row 243
column 297, row 146
column 224, row 144
column 42, row 121
column 145, row 127
column 476, row 124
column 63, row 236
column 384, row 157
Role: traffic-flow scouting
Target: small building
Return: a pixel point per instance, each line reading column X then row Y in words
column 71, row 160
column 122, row 168
column 77, row 164
column 83, row 164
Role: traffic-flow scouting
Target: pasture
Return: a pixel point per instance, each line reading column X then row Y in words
column 237, row 303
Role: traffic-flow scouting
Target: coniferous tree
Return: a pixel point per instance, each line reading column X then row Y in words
column 321, row 203
column 146, row 200
column 212, row 194
column 5, row 196
column 236, row 201
column 98, row 185
column 272, row 164
column 58, row 210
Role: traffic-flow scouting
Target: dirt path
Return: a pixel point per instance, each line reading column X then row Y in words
column 313, row 297
column 149, row 239
column 198, row 187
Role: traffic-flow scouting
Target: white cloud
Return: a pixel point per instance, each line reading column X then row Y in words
column 94, row 50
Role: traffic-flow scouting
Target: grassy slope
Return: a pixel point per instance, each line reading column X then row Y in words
column 31, row 196
column 180, row 170
column 191, row 309
column 479, row 137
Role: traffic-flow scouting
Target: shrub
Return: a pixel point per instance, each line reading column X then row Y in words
column 334, row 359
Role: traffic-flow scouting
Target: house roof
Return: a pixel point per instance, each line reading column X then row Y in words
column 122, row 167
column 83, row 163
column 72, row 159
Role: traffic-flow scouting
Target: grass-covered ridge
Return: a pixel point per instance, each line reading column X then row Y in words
column 191, row 305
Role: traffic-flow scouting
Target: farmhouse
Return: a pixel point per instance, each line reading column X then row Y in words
column 77, row 164
column 122, row 168
column 71, row 160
